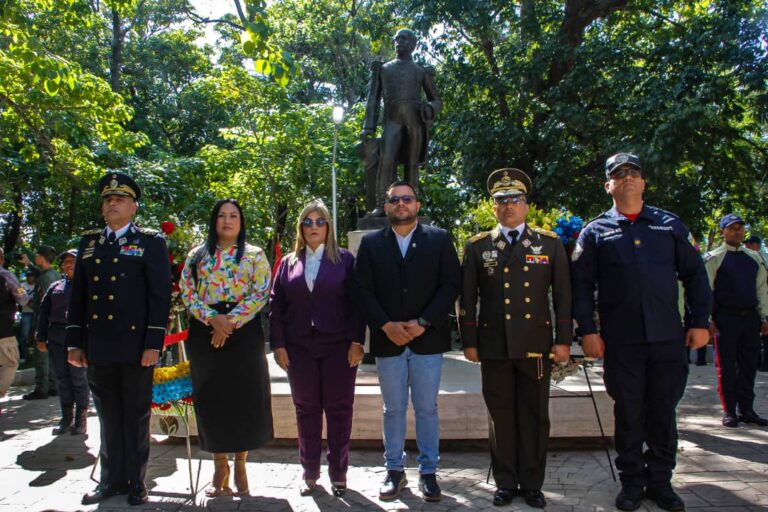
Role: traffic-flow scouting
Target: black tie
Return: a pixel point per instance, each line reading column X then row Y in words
column 111, row 237
column 513, row 238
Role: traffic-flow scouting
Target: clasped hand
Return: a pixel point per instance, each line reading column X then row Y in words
column 402, row 333
column 222, row 329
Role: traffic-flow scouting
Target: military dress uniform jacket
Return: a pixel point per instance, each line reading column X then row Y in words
column 121, row 296
column 513, row 284
column 636, row 267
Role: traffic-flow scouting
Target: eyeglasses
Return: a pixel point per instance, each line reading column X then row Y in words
column 620, row 174
column 308, row 223
column 510, row 200
column 406, row 199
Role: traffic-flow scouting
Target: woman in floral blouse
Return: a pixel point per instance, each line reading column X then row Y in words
column 224, row 285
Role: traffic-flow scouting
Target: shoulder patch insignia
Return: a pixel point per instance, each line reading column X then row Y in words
column 545, row 232
column 148, row 231
column 479, row 236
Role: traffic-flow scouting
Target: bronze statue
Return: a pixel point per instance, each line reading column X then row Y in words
column 407, row 119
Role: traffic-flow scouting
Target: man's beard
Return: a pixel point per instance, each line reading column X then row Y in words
column 394, row 220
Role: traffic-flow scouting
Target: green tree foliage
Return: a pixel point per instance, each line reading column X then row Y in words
column 550, row 86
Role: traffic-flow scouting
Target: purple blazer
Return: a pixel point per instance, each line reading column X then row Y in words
column 329, row 307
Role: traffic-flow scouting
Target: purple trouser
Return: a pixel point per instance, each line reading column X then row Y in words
column 323, row 383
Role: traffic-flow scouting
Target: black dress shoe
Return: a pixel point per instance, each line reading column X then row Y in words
column 35, row 395
column 665, row 498
column 430, row 491
column 630, row 498
column 503, row 496
column 753, row 418
column 101, row 493
column 393, row 484
column 137, row 494
column 730, row 421
column 535, row 499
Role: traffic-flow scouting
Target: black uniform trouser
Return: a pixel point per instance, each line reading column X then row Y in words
column 71, row 380
column 738, row 348
column 518, row 407
column 122, row 394
column 764, row 353
column 646, row 382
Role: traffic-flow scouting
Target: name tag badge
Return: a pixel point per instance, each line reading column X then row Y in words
column 132, row 250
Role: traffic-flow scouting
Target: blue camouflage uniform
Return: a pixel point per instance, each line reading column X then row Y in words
column 635, row 267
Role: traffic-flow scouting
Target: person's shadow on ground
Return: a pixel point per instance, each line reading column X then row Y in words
column 63, row 453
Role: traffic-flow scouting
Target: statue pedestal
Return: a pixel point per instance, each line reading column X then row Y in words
column 463, row 415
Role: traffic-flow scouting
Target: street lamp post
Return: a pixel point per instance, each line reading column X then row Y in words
column 338, row 117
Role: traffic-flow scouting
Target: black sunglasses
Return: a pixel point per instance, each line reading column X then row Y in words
column 308, row 223
column 406, row 199
column 510, row 200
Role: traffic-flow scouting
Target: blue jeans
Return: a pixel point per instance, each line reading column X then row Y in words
column 421, row 375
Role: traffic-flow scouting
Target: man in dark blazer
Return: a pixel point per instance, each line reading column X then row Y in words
column 512, row 269
column 116, row 324
column 408, row 279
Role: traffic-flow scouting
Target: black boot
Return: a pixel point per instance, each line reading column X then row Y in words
column 81, row 421
column 67, row 417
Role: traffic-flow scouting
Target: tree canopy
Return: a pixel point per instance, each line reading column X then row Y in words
column 550, row 86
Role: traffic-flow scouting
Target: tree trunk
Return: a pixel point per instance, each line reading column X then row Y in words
column 13, row 221
column 117, row 52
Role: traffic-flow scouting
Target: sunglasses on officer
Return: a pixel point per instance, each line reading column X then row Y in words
column 308, row 223
column 406, row 199
column 520, row 198
column 623, row 172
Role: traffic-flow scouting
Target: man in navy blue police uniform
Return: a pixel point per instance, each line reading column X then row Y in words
column 116, row 327
column 739, row 315
column 72, row 382
column 634, row 255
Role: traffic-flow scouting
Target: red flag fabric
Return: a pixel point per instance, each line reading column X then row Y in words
column 278, row 257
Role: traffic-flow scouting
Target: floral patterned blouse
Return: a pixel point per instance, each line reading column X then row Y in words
column 221, row 279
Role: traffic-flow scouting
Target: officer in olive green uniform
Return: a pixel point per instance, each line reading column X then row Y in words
column 511, row 270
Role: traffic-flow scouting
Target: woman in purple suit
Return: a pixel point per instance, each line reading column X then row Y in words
column 317, row 335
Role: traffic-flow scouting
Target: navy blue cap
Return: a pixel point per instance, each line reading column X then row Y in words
column 619, row 159
column 729, row 219
column 754, row 239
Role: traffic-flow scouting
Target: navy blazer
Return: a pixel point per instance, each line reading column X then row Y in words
column 329, row 307
column 423, row 284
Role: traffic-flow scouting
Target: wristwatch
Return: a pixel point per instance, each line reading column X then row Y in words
column 422, row 322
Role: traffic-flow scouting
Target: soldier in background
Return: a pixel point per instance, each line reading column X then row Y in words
column 739, row 316
column 512, row 270
column 121, row 296
column 51, row 331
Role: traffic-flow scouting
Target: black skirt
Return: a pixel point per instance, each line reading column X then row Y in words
column 230, row 387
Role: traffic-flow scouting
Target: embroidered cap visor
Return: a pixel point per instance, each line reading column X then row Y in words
column 508, row 182
column 119, row 184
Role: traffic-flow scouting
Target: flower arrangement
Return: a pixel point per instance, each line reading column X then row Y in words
column 171, row 384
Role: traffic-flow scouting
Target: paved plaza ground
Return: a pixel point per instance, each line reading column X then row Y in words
column 718, row 469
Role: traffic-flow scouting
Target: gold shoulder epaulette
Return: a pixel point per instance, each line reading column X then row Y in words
column 93, row 232
column 545, row 232
column 479, row 236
